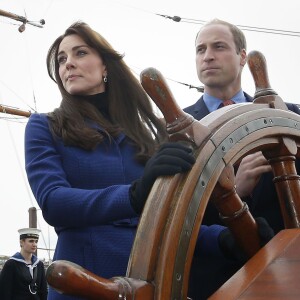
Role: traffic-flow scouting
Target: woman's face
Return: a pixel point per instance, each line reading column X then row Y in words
column 81, row 69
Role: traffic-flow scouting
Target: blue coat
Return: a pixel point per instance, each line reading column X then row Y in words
column 85, row 196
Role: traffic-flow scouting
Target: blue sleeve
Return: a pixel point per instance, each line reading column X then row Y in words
column 207, row 242
column 61, row 204
column 293, row 107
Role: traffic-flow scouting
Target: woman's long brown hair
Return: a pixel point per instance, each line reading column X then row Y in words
column 130, row 109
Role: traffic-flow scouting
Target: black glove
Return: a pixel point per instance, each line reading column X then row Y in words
column 171, row 158
column 230, row 248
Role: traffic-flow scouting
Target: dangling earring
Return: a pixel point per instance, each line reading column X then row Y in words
column 105, row 78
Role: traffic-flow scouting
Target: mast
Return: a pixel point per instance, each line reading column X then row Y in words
column 14, row 111
column 21, row 19
column 32, row 220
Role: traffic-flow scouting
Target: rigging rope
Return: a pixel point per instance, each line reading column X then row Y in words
column 244, row 27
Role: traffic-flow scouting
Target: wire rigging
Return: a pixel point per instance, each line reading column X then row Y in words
column 21, row 99
column 244, row 27
column 198, row 88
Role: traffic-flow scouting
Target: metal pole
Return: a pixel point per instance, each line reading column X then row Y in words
column 32, row 219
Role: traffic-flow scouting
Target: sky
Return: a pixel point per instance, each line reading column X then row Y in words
column 132, row 27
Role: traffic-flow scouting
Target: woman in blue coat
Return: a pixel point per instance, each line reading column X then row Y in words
column 88, row 162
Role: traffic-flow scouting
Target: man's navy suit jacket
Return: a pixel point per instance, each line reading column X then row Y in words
column 208, row 274
column 263, row 201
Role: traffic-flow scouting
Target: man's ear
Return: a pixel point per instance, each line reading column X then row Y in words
column 243, row 55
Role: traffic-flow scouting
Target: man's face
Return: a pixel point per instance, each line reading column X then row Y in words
column 217, row 61
column 29, row 245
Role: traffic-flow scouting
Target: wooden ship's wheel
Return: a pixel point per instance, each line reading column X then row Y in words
column 162, row 252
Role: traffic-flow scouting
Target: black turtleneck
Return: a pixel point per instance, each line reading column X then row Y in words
column 100, row 101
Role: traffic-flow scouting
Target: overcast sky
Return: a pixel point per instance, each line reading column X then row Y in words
column 147, row 40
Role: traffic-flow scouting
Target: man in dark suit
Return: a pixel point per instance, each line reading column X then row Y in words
column 220, row 59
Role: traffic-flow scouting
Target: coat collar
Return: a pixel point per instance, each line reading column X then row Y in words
column 18, row 257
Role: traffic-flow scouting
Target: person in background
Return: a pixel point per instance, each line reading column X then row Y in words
column 220, row 59
column 23, row 275
column 91, row 162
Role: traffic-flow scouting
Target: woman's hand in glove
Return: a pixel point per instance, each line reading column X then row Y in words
column 170, row 159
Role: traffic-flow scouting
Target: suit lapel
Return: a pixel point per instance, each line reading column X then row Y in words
column 198, row 110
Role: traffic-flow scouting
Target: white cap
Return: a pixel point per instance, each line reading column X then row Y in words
column 29, row 233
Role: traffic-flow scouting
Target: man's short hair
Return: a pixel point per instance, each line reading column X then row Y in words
column 238, row 35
